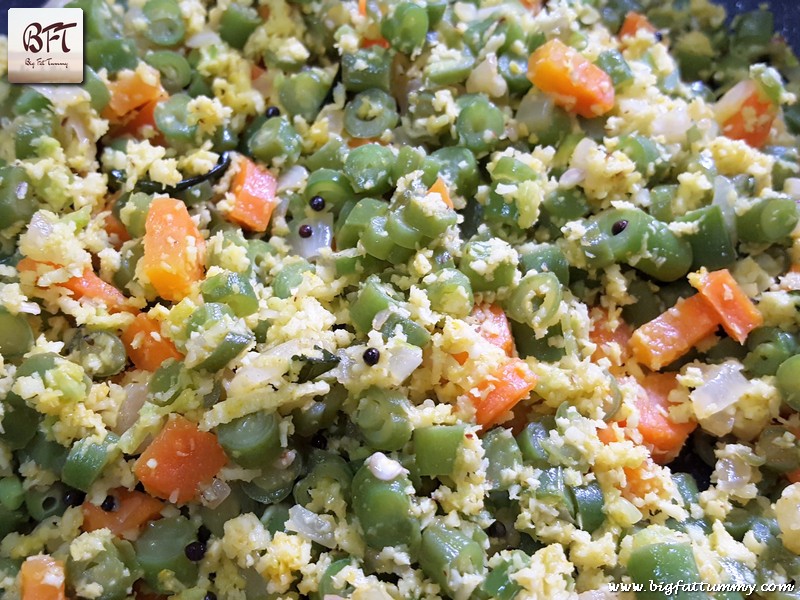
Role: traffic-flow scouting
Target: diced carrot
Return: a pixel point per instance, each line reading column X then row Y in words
column 133, row 510
column 642, row 480
column 738, row 315
column 440, row 187
column 746, row 113
column 793, row 476
column 571, row 80
column 633, row 23
column 608, row 435
column 174, row 250
column 492, row 324
column 674, row 332
column 264, row 12
column 42, row 578
column 255, row 70
column 87, row 286
column 501, row 391
column 131, row 90
column 362, row 7
column 115, row 229
column 179, row 460
column 660, row 433
column 146, row 347
column 533, row 5
column 367, row 43
column 254, row 196
column 142, row 119
column 604, row 336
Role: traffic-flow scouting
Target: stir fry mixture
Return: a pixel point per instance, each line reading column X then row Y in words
column 405, row 299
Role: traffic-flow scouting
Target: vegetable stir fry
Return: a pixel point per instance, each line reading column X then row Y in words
column 403, row 299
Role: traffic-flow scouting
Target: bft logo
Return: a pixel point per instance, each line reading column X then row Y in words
column 45, row 45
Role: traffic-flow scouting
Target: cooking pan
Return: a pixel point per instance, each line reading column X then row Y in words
column 787, row 14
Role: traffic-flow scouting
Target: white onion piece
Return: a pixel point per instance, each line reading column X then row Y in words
column 571, row 178
column 40, row 227
column 733, row 100
column 535, row 111
column 282, row 208
column 135, row 396
column 725, row 197
column 792, row 187
column 724, row 386
column 404, row 360
column 215, row 494
column 321, row 236
column 732, row 473
column 485, row 78
column 383, row 467
column 61, row 95
column 203, row 38
column 313, row 526
column 672, row 125
column 292, row 179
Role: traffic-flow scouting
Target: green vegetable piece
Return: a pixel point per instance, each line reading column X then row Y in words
column 113, row 55
column 20, row 422
column 382, row 417
column 436, row 449
column 289, row 278
column 370, row 114
column 130, row 253
column 687, row 488
column 164, row 22
column 161, row 547
column 769, row 348
column 30, row 100
column 788, row 379
column 499, row 585
column 530, row 442
column 712, row 246
column 406, row 27
column 17, row 203
column 612, row 62
column 46, row 453
column 168, row 381
column 647, row 155
column 11, row 493
column 444, row 551
column 450, row 291
column 663, row 564
column 175, row 71
column 536, row 300
column 768, row 220
column 28, row 131
column 369, row 167
column 303, row 93
column 10, row 521
column 367, row 68
column 115, row 568
column 373, row 298
column 480, row 124
column 43, row 502
column 98, row 91
column 383, row 508
column 277, row 478
column 415, row 333
column 490, row 264
column 589, row 506
column 327, row 587
column 545, row 258
column 456, row 166
column 237, row 24
column 232, row 289
column 171, row 117
column 252, row 440
column 450, row 71
column 326, row 468
column 87, row 459
column 275, row 142
column 16, row 335
column 504, row 456
column 514, row 69
column 99, row 19
column 100, row 353
column 332, row 186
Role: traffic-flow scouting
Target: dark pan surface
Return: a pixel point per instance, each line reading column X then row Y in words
column 787, row 15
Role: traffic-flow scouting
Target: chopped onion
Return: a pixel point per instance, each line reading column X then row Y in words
column 672, row 125
column 404, row 360
column 292, row 179
column 571, row 177
column 724, row 386
column 317, row 528
column 135, row 396
column 725, row 197
column 321, row 228
column 215, row 494
column 535, row 111
column 203, row 38
column 792, row 187
column 383, row 467
column 733, row 100
column 485, row 78
column 61, row 95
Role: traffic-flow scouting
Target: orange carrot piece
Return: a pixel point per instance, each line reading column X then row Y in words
column 602, row 335
column 130, row 91
column 663, row 436
column 746, row 113
column 738, row 315
column 492, row 324
column 367, row 43
column 674, row 332
column 793, row 476
column 254, row 192
column 501, row 391
column 641, row 480
column 633, row 23
column 115, row 229
column 440, row 187
column 571, row 80
column 362, row 7
column 87, row 286
column 264, row 12
column 146, row 347
column 134, row 509
column 42, row 578
column 173, row 249
column 140, row 120
column 179, row 460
